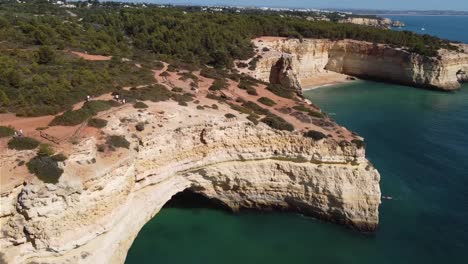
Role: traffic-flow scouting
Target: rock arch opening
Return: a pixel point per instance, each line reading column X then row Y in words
column 188, row 198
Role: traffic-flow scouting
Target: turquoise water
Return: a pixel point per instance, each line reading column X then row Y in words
column 418, row 141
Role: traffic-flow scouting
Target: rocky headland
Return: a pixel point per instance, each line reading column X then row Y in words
column 292, row 62
column 103, row 199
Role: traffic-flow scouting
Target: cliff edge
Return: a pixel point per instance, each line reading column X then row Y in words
column 366, row 60
column 104, row 197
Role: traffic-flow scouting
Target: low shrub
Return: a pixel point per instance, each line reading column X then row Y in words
column 266, row 101
column 182, row 98
column 315, row 135
column 23, row 143
column 6, row 131
column 253, row 119
column 252, row 91
column 218, row 84
column 45, row 150
column 59, row 157
column 256, row 108
column 277, row 122
column 199, row 107
column 359, row 143
column 97, row 106
column 215, row 106
column 71, row 118
column 311, row 112
column 140, row 105
column 97, row 122
column 118, row 142
column 281, row 91
column 140, row 126
column 45, row 168
column 177, row 90
column 188, row 75
column 242, row 65
column 229, row 115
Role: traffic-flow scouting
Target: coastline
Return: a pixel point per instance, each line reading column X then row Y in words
column 325, row 79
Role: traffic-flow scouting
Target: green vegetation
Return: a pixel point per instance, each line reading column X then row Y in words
column 218, row 84
column 140, row 105
column 6, row 131
column 118, row 142
column 281, row 91
column 97, row 122
column 256, row 108
column 253, row 118
column 71, row 118
column 154, row 93
column 315, row 135
column 45, row 150
column 23, row 143
column 266, row 101
column 229, row 115
column 38, row 76
column 277, row 122
column 309, row 111
column 45, row 168
column 359, row 143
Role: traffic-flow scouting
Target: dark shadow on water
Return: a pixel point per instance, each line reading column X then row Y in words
column 189, row 199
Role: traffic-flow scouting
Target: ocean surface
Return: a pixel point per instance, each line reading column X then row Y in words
column 447, row 27
column 417, row 139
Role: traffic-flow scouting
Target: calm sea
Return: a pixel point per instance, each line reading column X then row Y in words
column 418, row 141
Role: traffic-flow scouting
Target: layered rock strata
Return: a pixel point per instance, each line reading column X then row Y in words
column 103, row 199
column 306, row 58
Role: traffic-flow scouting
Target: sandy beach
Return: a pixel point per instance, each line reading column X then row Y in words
column 324, row 79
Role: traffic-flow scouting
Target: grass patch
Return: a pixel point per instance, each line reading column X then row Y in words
column 266, row 101
column 97, row 122
column 6, row 131
column 23, row 143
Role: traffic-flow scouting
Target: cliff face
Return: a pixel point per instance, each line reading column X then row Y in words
column 365, row 60
column 372, row 22
column 103, row 199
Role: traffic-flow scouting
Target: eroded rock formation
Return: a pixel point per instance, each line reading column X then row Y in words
column 361, row 59
column 104, row 198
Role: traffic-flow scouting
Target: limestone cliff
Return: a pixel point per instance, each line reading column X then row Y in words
column 361, row 59
column 104, row 198
column 365, row 21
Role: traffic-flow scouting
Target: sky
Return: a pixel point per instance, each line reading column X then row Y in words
column 457, row 5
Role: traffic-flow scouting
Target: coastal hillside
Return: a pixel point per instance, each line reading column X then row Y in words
column 40, row 77
column 108, row 110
